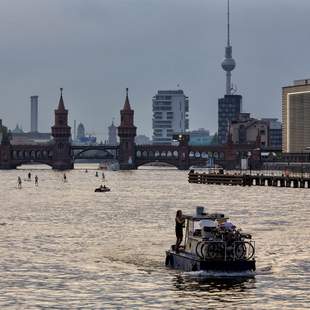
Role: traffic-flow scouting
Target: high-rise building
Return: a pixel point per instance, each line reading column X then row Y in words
column 74, row 130
column 230, row 106
column 80, row 131
column 229, row 109
column 296, row 117
column 112, row 140
column 274, row 132
column 34, row 113
column 170, row 115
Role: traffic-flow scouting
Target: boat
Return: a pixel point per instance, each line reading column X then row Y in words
column 109, row 166
column 214, row 244
column 103, row 166
column 102, row 189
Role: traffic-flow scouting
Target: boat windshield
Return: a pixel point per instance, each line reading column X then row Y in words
column 194, row 227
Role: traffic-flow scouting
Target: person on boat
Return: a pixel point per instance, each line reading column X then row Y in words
column 102, row 188
column 225, row 225
column 19, row 182
column 179, row 224
column 29, row 176
column 36, row 180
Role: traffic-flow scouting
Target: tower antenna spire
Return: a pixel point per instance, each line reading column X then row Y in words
column 229, row 63
column 228, row 24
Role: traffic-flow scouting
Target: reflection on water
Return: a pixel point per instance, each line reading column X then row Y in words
column 213, row 284
column 64, row 246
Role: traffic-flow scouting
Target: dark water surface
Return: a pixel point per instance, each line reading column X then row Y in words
column 62, row 246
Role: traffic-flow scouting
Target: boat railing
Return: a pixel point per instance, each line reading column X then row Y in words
column 217, row 249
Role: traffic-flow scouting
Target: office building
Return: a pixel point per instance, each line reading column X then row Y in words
column 245, row 130
column 274, row 132
column 200, row 136
column 229, row 109
column 80, row 131
column 34, row 114
column 170, row 115
column 296, row 117
column 112, row 139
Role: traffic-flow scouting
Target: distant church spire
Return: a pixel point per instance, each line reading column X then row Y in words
column 228, row 63
column 127, row 104
column 61, row 105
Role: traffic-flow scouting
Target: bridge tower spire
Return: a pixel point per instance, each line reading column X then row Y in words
column 127, row 133
column 61, row 134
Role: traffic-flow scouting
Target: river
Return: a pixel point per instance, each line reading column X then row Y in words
column 62, row 246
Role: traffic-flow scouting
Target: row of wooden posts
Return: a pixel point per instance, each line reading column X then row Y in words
column 248, row 180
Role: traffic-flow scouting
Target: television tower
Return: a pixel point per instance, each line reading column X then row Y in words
column 228, row 63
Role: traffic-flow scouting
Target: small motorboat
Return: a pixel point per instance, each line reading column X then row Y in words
column 102, row 189
column 212, row 243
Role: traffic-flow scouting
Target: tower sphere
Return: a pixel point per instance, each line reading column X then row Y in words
column 228, row 64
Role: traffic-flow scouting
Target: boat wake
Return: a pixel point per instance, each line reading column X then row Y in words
column 202, row 274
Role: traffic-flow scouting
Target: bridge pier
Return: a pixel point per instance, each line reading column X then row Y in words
column 62, row 165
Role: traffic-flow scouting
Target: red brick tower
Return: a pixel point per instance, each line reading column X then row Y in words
column 61, row 133
column 127, row 132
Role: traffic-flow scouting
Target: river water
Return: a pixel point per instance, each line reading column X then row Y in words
column 62, row 246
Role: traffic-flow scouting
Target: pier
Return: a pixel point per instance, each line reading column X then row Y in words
column 245, row 179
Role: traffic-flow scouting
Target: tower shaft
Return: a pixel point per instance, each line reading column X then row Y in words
column 228, row 83
column 228, row 63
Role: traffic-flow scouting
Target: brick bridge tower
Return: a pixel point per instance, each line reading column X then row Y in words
column 127, row 132
column 5, row 148
column 61, row 133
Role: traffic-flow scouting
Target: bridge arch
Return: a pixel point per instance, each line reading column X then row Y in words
column 35, row 161
column 107, row 154
column 171, row 163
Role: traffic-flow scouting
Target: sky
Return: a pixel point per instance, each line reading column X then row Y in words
column 94, row 49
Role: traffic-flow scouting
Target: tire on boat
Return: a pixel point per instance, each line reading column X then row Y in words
column 200, row 253
column 212, row 250
column 169, row 260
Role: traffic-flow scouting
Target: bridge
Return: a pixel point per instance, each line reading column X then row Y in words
column 60, row 153
column 94, row 152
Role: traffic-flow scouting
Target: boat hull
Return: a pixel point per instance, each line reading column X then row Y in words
column 98, row 190
column 187, row 262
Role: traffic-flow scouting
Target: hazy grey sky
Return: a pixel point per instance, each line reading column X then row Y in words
column 97, row 48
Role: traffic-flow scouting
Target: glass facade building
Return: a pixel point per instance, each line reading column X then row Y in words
column 229, row 109
column 296, row 117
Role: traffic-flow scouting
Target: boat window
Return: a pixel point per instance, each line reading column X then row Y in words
column 194, row 228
